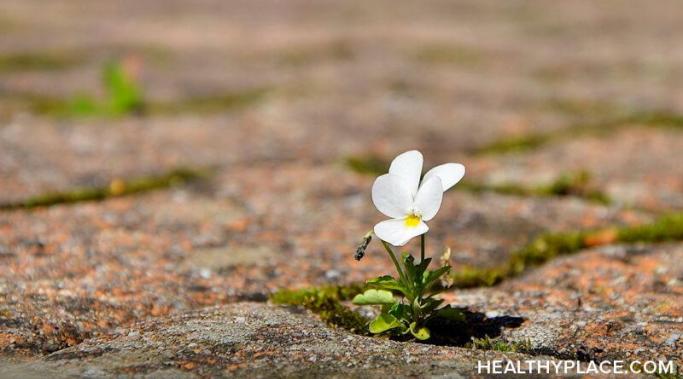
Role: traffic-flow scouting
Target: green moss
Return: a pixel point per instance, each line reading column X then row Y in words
column 551, row 245
column 516, row 144
column 207, row 104
column 487, row 343
column 116, row 187
column 658, row 119
column 543, row 249
column 575, row 184
column 472, row 277
column 666, row 228
column 38, row 103
column 40, row 61
column 326, row 303
column 650, row 119
column 367, row 164
column 449, row 54
column 582, row 107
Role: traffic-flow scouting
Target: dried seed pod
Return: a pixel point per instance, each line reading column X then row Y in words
column 360, row 250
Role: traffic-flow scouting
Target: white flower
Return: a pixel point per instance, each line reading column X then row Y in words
column 400, row 195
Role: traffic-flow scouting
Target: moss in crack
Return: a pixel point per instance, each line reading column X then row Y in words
column 541, row 250
column 86, row 106
column 666, row 228
column 471, row 277
column 117, row 187
column 208, row 104
column 582, row 107
column 40, row 61
column 550, row 245
column 515, row 144
column 326, row 302
column 496, row 344
column 367, row 164
column 576, row 184
column 649, row 119
column 451, row 55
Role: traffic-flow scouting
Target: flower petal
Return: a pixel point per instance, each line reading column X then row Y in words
column 408, row 166
column 428, row 199
column 397, row 233
column 391, row 196
column 449, row 173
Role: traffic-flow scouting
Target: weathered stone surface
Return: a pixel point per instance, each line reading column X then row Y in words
column 634, row 166
column 617, row 302
column 73, row 272
column 250, row 340
column 122, row 286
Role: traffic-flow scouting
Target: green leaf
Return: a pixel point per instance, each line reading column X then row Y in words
column 124, row 94
column 429, row 304
column 415, row 272
column 373, row 296
column 386, row 282
column 421, row 333
column 408, row 263
column 422, row 267
column 384, row 322
column 430, row 277
column 400, row 311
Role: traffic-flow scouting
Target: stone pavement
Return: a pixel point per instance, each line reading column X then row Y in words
column 175, row 282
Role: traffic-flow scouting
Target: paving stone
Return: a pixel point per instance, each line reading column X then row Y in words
column 251, row 340
column 635, row 167
column 617, row 302
column 159, row 284
column 90, row 268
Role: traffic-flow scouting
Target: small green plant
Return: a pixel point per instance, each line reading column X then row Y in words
column 408, row 302
column 123, row 95
column 416, row 304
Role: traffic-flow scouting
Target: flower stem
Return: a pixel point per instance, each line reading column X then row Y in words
column 422, row 248
column 393, row 258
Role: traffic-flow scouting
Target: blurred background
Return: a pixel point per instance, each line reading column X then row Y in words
column 164, row 155
column 217, row 82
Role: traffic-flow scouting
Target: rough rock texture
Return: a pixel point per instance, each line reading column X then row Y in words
column 251, row 340
column 617, row 302
column 273, row 98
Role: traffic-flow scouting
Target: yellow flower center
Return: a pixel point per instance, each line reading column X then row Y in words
column 412, row 221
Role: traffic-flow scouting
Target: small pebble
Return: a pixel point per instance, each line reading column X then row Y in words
column 671, row 341
column 205, row 273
